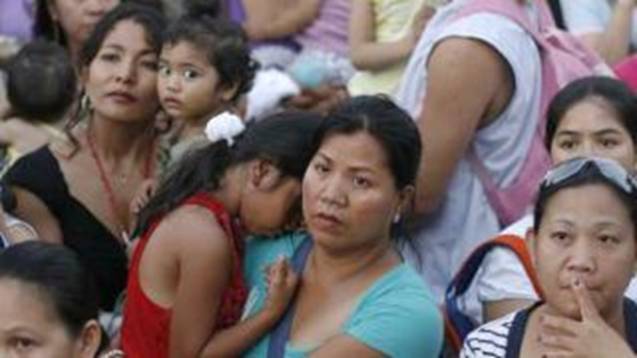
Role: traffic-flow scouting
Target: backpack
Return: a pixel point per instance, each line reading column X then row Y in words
column 457, row 324
column 564, row 59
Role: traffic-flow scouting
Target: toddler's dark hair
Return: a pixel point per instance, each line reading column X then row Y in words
column 223, row 41
column 41, row 82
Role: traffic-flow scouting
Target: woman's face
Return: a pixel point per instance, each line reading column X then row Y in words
column 349, row 195
column 592, row 128
column 78, row 17
column 121, row 79
column 586, row 233
column 188, row 84
column 30, row 327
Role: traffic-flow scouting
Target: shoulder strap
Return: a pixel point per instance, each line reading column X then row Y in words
column 281, row 332
column 459, row 325
column 630, row 319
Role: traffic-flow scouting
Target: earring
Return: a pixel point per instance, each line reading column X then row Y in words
column 397, row 218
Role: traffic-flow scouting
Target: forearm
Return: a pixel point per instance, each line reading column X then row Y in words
column 615, row 41
column 372, row 56
column 233, row 341
column 286, row 23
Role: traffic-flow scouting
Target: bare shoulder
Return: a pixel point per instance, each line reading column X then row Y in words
column 194, row 230
column 456, row 52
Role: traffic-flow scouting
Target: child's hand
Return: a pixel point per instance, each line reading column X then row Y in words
column 142, row 196
column 282, row 283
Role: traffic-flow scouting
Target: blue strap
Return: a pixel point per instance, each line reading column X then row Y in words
column 461, row 323
column 281, row 333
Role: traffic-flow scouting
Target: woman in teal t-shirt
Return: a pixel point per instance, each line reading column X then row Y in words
column 356, row 297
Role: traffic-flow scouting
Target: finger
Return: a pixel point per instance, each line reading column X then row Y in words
column 552, row 323
column 277, row 272
column 587, row 307
column 557, row 342
column 558, row 354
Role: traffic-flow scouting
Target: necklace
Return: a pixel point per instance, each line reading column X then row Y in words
column 108, row 187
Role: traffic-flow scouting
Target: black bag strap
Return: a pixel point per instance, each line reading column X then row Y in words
column 281, row 332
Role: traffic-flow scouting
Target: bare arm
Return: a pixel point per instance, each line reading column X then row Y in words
column 613, row 43
column 468, row 84
column 290, row 20
column 368, row 54
column 497, row 309
column 345, row 346
column 32, row 209
column 205, row 261
column 233, row 341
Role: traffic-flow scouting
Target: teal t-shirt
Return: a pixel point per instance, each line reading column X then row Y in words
column 396, row 315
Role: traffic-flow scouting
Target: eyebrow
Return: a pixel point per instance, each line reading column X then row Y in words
column 114, row 46
column 607, row 131
column 120, row 48
column 567, row 132
column 181, row 64
column 353, row 168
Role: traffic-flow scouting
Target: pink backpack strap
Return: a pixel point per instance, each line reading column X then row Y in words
column 564, row 59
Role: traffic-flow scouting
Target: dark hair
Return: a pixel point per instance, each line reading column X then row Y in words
column 58, row 273
column 41, row 82
column 391, row 126
column 284, row 139
column 615, row 93
column 45, row 27
column 589, row 174
column 224, row 43
column 146, row 16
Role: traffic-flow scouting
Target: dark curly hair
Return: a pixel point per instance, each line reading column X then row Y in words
column 224, row 42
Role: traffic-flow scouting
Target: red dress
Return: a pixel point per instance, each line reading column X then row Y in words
column 146, row 327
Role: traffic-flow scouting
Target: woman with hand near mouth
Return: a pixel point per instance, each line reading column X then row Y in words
column 584, row 251
column 77, row 192
column 356, row 295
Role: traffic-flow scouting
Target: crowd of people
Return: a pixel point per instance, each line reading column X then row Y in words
column 324, row 178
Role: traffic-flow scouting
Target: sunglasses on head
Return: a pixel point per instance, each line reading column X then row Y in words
column 611, row 170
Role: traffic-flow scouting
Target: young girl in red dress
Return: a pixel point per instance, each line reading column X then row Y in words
column 186, row 290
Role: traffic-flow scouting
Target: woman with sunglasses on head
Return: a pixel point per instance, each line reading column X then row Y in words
column 593, row 116
column 584, row 250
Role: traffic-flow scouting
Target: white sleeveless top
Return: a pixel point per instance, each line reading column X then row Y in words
column 465, row 217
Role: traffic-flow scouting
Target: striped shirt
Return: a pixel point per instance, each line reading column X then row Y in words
column 503, row 337
column 489, row 340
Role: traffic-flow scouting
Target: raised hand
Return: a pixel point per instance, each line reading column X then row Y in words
column 282, row 283
column 591, row 337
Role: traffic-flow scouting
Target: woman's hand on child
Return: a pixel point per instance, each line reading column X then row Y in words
column 282, row 283
column 590, row 337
